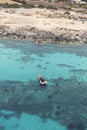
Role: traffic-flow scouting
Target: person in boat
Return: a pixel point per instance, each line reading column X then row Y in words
column 41, row 78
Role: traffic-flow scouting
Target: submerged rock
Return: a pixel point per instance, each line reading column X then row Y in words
column 65, row 101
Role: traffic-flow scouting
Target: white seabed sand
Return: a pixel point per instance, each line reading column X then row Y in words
column 28, row 122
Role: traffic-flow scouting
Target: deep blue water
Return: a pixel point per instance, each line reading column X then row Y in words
column 24, row 60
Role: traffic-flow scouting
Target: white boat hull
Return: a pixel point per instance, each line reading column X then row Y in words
column 43, row 83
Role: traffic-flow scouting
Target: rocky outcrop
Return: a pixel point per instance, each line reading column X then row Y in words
column 28, row 32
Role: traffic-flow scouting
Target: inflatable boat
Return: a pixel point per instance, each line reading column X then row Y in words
column 42, row 80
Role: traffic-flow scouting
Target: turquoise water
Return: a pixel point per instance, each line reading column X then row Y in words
column 28, row 122
column 61, row 65
column 23, row 64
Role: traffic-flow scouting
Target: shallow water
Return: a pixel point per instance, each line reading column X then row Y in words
column 63, row 66
column 27, row 122
column 23, row 62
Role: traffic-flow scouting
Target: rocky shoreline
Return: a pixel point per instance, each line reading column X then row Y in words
column 43, row 25
column 40, row 36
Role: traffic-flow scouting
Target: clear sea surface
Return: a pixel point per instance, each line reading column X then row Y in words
column 22, row 61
